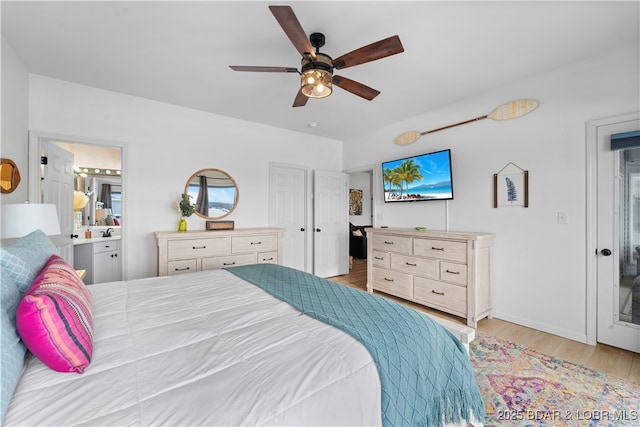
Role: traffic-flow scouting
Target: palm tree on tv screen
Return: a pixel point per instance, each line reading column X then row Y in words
column 409, row 171
column 403, row 175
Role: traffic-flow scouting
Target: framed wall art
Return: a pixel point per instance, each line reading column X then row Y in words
column 355, row 202
column 511, row 187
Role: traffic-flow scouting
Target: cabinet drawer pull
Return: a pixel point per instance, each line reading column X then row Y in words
column 433, row 248
column 388, row 280
column 229, row 263
column 388, row 243
column 267, row 259
column 437, row 293
column 378, row 258
column 412, row 265
column 452, row 272
column 256, row 243
column 199, row 247
column 182, row 269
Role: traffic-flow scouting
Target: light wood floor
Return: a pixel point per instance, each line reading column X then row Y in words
column 614, row 361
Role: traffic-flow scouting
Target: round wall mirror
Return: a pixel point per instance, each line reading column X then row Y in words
column 9, row 175
column 214, row 191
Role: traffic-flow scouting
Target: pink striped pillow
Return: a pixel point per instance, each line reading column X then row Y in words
column 54, row 318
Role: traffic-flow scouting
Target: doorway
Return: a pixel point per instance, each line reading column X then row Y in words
column 89, row 167
column 613, row 233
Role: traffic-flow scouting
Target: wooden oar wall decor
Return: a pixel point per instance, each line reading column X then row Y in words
column 510, row 110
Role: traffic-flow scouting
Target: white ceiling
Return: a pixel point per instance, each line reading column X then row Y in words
column 179, row 52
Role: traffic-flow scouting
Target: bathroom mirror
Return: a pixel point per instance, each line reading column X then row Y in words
column 214, row 191
column 9, row 175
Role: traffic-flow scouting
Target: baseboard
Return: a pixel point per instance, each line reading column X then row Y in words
column 550, row 329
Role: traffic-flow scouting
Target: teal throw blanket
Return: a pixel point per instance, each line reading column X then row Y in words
column 425, row 372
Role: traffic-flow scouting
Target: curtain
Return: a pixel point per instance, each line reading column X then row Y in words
column 203, row 196
column 623, row 141
column 105, row 195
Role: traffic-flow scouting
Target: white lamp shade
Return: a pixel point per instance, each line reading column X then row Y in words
column 22, row 219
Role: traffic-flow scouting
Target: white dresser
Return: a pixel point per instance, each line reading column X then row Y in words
column 448, row 271
column 209, row 250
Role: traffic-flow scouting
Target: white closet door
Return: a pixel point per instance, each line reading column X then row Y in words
column 288, row 210
column 330, row 224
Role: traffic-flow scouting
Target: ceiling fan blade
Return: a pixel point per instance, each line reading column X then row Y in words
column 371, row 52
column 301, row 99
column 292, row 28
column 355, row 88
column 264, row 69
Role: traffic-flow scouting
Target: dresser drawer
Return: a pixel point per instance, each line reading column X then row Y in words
column 414, row 265
column 268, row 257
column 442, row 249
column 397, row 244
column 255, row 243
column 445, row 295
column 106, row 246
column 180, row 249
column 381, row 259
column 452, row 272
column 392, row 282
column 182, row 266
column 227, row 261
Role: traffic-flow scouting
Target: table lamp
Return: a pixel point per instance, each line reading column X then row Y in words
column 21, row 219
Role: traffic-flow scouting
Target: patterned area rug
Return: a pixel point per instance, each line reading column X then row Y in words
column 522, row 387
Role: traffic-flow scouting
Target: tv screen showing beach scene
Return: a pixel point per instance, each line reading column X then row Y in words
column 418, row 178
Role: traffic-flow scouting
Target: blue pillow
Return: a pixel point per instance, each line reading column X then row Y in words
column 13, row 349
column 24, row 259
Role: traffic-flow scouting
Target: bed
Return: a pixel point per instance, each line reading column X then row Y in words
column 238, row 347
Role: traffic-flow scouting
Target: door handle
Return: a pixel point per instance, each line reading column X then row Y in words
column 301, row 228
column 606, row 252
column 74, row 236
column 318, row 230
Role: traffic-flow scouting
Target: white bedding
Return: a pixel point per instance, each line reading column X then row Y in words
column 203, row 349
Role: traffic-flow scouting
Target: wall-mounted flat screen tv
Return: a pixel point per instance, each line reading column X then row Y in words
column 418, row 178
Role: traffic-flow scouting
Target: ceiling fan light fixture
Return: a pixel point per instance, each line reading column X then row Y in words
column 317, row 76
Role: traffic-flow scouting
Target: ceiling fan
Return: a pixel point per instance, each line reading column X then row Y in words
column 316, row 73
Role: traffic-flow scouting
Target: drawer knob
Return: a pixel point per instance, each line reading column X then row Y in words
column 182, row 269
column 437, row 293
column 433, row 248
column 199, row 247
column 452, row 272
column 388, row 280
column 412, row 265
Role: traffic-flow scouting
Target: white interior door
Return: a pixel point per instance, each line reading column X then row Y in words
column 58, row 189
column 618, row 233
column 330, row 224
column 287, row 209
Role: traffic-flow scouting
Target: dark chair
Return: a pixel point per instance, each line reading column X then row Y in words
column 358, row 241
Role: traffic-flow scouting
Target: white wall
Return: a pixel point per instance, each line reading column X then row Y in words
column 15, row 119
column 362, row 181
column 539, row 265
column 163, row 146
